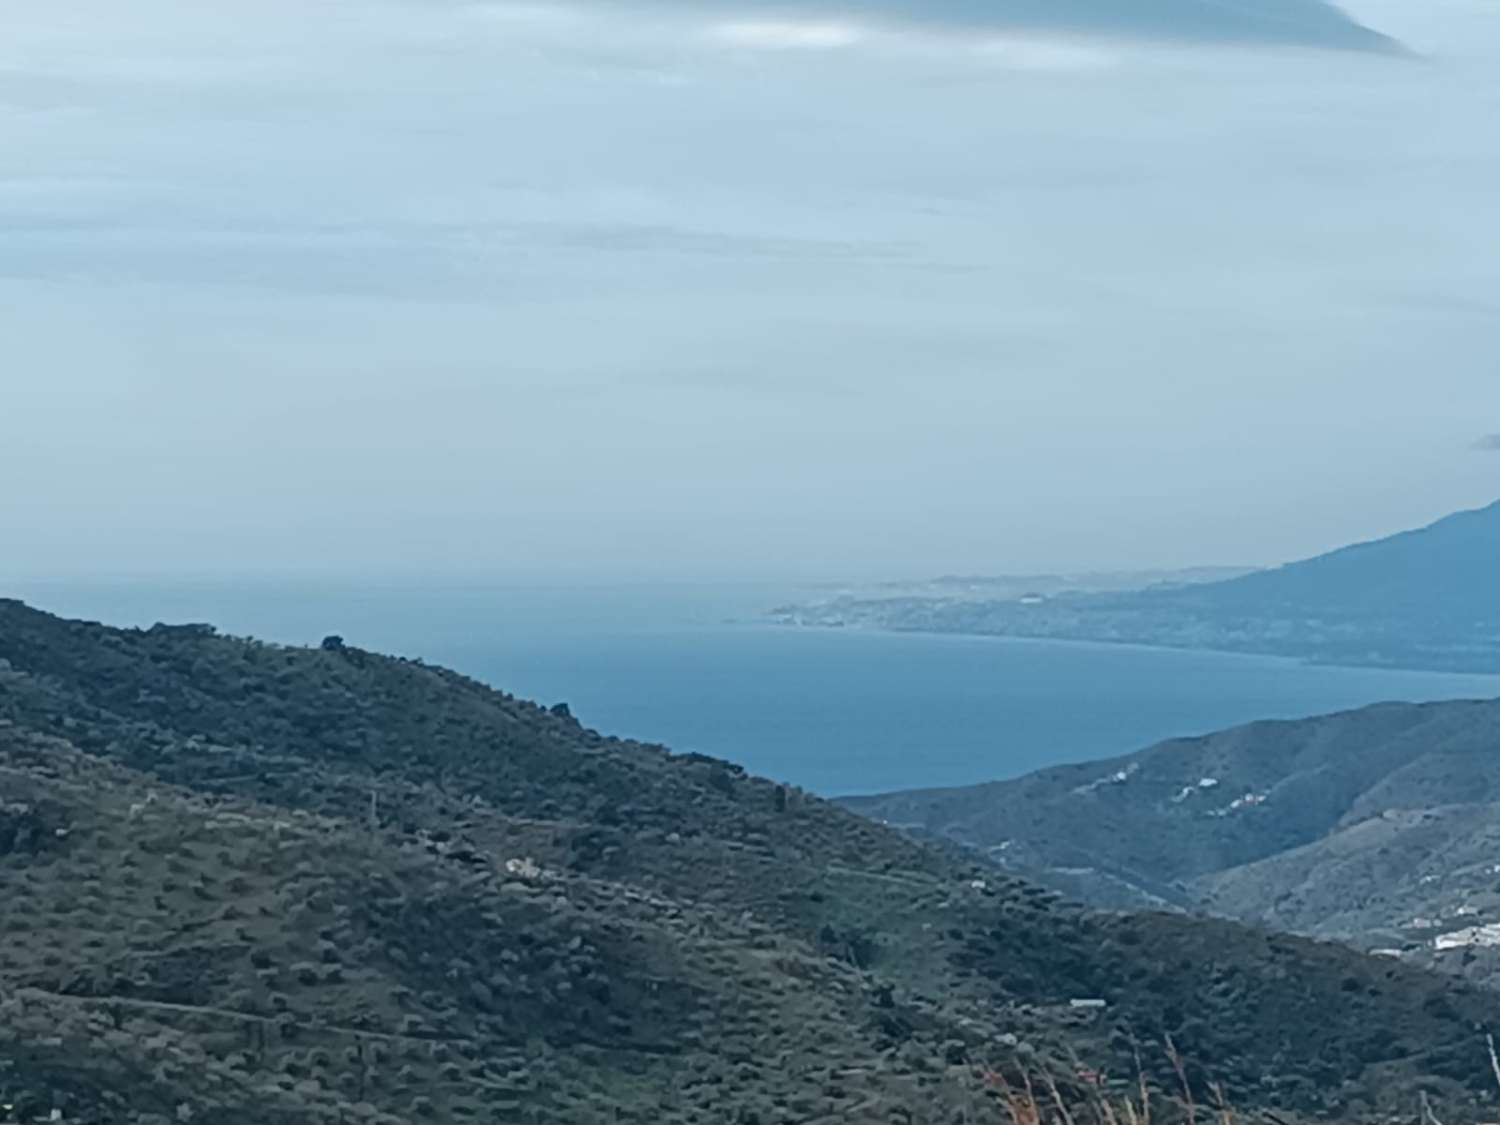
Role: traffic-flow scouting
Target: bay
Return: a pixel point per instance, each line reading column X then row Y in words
column 835, row 711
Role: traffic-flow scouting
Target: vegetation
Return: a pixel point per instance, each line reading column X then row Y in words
column 1379, row 827
column 247, row 883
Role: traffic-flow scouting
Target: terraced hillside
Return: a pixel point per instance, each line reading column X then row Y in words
column 247, row 883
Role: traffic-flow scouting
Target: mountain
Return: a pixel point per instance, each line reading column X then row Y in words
column 1420, row 599
column 1379, row 827
column 243, row 883
column 1290, row 22
column 1446, row 570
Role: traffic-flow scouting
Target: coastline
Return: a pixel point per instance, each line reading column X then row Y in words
column 1310, row 660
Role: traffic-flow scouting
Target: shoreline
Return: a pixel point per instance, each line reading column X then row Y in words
column 1145, row 646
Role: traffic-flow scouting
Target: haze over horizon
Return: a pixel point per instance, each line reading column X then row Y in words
column 626, row 291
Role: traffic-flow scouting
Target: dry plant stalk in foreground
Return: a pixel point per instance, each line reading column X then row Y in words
column 1024, row 1107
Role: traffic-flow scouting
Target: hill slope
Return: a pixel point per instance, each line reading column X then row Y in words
column 1380, row 826
column 1420, row 599
column 246, row 883
column 1445, row 570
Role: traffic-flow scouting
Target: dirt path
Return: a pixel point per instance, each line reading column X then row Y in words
column 227, row 1014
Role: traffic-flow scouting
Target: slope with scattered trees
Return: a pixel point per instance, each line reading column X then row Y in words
column 247, row 883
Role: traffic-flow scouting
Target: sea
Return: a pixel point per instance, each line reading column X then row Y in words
column 835, row 711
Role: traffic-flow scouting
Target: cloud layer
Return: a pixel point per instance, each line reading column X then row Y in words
column 1301, row 22
column 534, row 292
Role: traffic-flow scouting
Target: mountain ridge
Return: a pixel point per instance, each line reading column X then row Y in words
column 1420, row 599
column 1347, row 826
column 1467, row 544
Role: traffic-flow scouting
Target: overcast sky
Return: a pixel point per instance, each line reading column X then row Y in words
column 685, row 291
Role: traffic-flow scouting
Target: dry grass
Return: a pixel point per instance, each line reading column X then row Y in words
column 1099, row 1106
column 1025, row 1106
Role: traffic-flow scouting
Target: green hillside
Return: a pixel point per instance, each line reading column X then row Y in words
column 247, row 883
column 1380, row 827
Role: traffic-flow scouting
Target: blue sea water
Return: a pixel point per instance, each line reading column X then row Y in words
column 835, row 711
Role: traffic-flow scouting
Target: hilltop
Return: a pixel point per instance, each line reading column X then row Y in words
column 1420, row 599
column 1379, row 827
column 241, row 883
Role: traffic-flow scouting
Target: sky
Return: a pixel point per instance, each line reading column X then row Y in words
column 658, row 290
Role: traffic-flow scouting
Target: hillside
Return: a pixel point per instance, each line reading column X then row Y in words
column 1443, row 572
column 247, row 883
column 1380, row 827
column 1419, row 599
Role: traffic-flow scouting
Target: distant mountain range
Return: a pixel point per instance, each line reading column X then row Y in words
column 1298, row 22
column 1447, row 570
column 242, row 883
column 1421, row 599
column 1379, row 827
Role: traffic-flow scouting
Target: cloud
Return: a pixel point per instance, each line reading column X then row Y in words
column 787, row 35
column 819, row 22
column 1490, row 443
